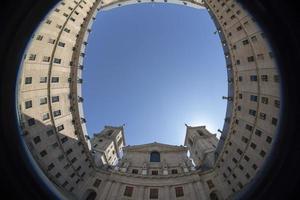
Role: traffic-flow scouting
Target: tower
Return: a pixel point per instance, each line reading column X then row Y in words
column 202, row 145
column 107, row 145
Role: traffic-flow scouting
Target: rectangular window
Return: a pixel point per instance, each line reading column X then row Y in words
column 174, row 171
column 153, row 193
column 57, row 113
column 246, row 158
column 46, row 116
column 277, row 103
column 50, row 167
column 179, row 191
column 262, row 153
column 43, row 100
column 36, row 139
column 253, row 98
column 253, row 78
column 240, row 78
column 239, row 28
column 54, row 145
column 67, row 30
column 252, row 145
column 46, row 59
column 43, row 79
column 50, row 132
column 60, row 127
column 51, row 41
column 43, row 153
column 128, row 191
column 55, row 79
column 244, row 139
column 57, row 60
column 268, row 139
column 28, row 80
column 239, row 151
column 97, row 183
column 264, row 78
column 61, row 44
column 252, row 112
column 64, row 139
column 248, row 127
column 274, row 121
column 258, row 132
column 264, row 100
column 28, row 104
column 245, row 42
column 254, row 38
column 55, row 99
column 154, row 172
column 32, row 57
column 250, row 59
column 48, row 21
column 39, row 37
column 262, row 116
column 135, row 171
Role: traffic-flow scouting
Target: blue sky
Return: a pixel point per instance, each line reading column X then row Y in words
column 154, row 67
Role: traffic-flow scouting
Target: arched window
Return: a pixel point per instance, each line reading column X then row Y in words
column 154, row 156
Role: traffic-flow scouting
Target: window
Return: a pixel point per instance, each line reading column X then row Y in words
column 28, row 104
column 154, row 156
column 248, row 127
column 274, row 121
column 43, row 79
column 246, row 158
column 234, row 160
column 250, row 59
column 253, row 78
column 179, row 191
column 50, row 132
column 43, row 153
column 61, row 44
column 240, row 96
column 51, row 41
column 277, row 103
column 57, row 113
column 31, row 122
column 46, row 116
column 264, row 100
column 239, row 151
column 65, row 184
column 32, row 57
column 55, row 99
column 239, row 28
column 153, row 193
column 60, row 127
column 210, row 184
column 67, row 30
column 39, row 37
column 262, row 153
column 43, row 100
column 254, row 166
column 252, row 112
column 69, row 151
column 254, row 38
column 258, row 132
column 46, row 59
column 253, row 98
column 241, row 167
column 97, row 183
column 264, row 78
column 36, row 139
column 28, row 80
column 54, row 145
column 245, row 42
column 57, row 175
column 128, row 191
column 154, row 172
column 135, row 171
column 238, row 62
column 262, row 116
column 240, row 78
column 57, row 60
column 174, row 171
column 55, row 79
column 244, row 139
column 48, row 21
column 252, row 145
column 64, row 139
column 73, row 160
column 269, row 139
column 51, row 166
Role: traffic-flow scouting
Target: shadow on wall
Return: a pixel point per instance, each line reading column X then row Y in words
column 62, row 158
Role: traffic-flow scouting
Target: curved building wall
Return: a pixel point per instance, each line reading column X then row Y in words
column 50, row 103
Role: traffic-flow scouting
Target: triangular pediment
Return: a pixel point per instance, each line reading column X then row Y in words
column 155, row 146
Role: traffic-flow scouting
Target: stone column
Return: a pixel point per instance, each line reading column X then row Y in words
column 106, row 190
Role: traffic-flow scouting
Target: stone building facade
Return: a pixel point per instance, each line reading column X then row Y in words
column 52, row 120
